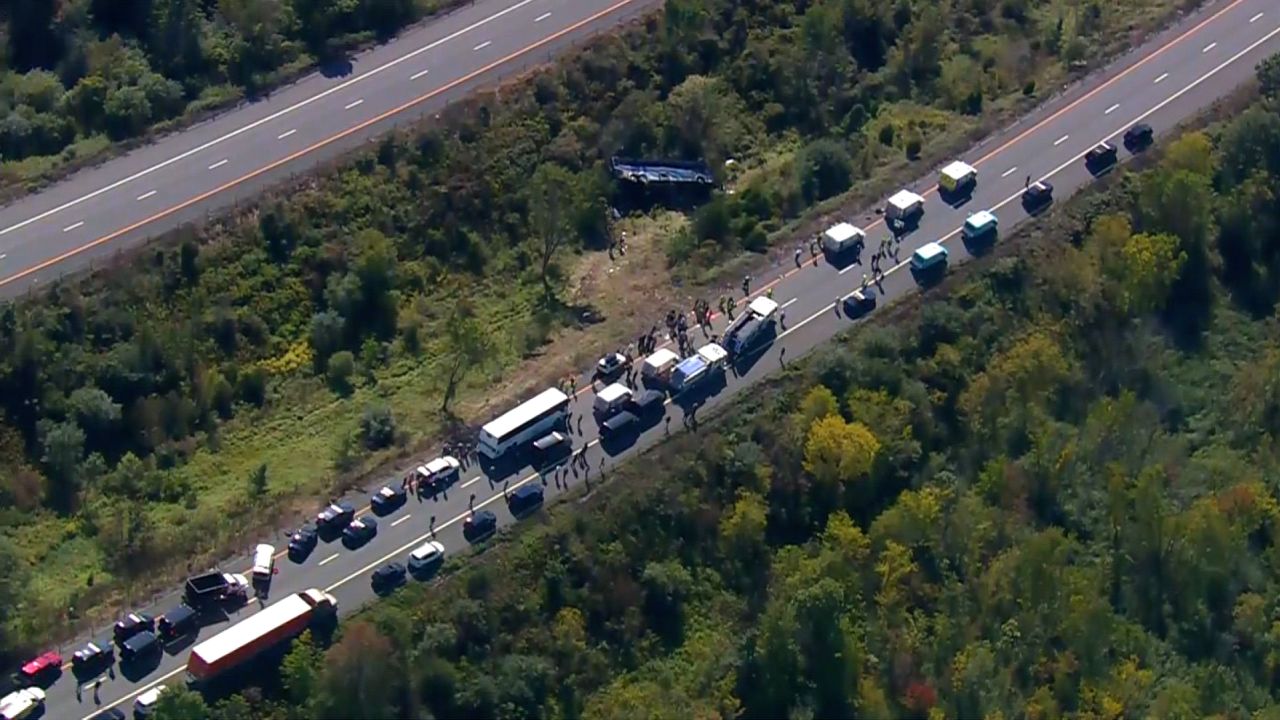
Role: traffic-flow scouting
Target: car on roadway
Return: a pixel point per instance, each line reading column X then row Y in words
column 479, row 526
column 388, row 498
column 439, row 474
column 92, row 657
column 551, row 448
column 145, row 703
column 612, row 366
column 620, row 425
column 526, row 498
column 1101, row 156
column 302, row 542
column 264, row 562
column 139, row 647
column 178, row 622
column 1139, row 137
column 41, row 669
column 859, row 303
column 110, row 714
column 388, row 577
column 334, row 517
column 22, row 703
column 132, row 624
column 426, row 558
column 1037, row 195
column 360, row 531
column 646, row 403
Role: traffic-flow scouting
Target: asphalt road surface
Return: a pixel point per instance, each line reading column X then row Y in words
column 182, row 177
column 1172, row 78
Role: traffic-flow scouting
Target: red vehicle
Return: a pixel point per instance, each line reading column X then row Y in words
column 275, row 624
column 46, row 665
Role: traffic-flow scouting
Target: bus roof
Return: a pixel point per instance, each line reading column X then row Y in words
column 540, row 404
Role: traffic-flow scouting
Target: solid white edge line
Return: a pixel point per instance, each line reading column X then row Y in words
column 274, row 116
column 786, row 332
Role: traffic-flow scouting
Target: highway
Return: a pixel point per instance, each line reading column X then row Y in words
column 181, row 177
column 1175, row 76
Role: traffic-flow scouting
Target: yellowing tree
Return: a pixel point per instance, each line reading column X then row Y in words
column 1151, row 264
column 1192, row 152
column 838, row 452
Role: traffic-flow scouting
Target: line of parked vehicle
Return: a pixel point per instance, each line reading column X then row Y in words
column 533, row 432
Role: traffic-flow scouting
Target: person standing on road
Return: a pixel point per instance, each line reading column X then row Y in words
column 746, row 285
column 798, row 251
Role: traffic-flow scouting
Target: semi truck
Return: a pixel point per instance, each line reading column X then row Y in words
column 279, row 622
column 751, row 327
column 692, row 371
column 208, row 590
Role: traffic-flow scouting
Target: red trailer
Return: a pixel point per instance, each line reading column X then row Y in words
column 240, row 643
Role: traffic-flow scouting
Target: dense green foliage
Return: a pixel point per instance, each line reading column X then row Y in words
column 74, row 70
column 1051, row 492
column 393, row 277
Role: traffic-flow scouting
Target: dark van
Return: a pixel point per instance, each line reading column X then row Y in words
column 176, row 623
column 524, row 499
column 139, row 647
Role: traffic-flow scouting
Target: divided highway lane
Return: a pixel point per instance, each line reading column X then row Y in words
column 1189, row 77
column 181, row 177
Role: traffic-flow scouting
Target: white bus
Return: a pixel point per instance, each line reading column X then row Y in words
column 527, row 422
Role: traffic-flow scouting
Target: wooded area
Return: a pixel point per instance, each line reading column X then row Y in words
column 139, row 407
column 76, row 75
column 1050, row 491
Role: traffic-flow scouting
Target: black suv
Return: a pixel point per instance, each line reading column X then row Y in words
column 479, row 525
column 1100, row 156
column 1138, row 137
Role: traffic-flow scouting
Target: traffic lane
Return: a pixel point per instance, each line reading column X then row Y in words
column 194, row 176
column 367, row 74
column 1174, row 64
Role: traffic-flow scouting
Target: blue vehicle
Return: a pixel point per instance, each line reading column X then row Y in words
column 524, row 499
column 707, row 363
column 360, row 531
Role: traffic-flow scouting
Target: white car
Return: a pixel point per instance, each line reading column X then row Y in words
column 264, row 558
column 21, row 703
column 427, row 557
column 146, row 702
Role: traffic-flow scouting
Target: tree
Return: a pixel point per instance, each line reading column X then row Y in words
column 258, row 483
column 361, row 677
column 180, row 703
column 63, row 450
column 468, row 345
column 824, row 170
column 550, row 197
column 838, row 452
column 97, row 414
column 327, row 337
column 1152, row 264
column 377, row 427
column 342, row 365
column 300, row 670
